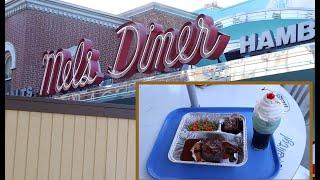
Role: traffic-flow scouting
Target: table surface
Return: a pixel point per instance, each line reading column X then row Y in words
column 157, row 101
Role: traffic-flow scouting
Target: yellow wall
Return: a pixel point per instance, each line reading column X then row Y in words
column 42, row 146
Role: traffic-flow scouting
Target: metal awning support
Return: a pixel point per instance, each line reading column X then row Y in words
column 193, row 95
column 191, row 90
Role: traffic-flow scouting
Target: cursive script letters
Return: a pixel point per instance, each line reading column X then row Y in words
column 63, row 73
column 156, row 49
column 153, row 50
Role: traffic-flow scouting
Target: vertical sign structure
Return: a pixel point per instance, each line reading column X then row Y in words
column 64, row 73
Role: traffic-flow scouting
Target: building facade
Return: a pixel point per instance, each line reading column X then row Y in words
column 32, row 27
column 59, row 137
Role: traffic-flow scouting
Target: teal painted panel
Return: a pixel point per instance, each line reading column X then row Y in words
column 238, row 30
column 206, row 62
column 247, row 6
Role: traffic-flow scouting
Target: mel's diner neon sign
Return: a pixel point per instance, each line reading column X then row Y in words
column 155, row 50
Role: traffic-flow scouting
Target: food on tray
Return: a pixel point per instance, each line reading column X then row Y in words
column 196, row 152
column 186, row 154
column 232, row 152
column 232, row 124
column 206, row 138
column 202, row 125
column 211, row 150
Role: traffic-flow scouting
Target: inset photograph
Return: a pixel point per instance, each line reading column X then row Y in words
column 224, row 131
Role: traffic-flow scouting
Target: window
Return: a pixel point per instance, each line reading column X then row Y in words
column 8, row 64
column 10, row 58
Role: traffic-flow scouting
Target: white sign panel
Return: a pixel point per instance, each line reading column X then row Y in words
column 295, row 33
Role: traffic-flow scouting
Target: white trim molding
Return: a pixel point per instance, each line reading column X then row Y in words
column 10, row 48
column 159, row 7
column 61, row 8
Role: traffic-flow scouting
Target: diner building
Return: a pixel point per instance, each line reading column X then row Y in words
column 63, row 135
column 33, row 26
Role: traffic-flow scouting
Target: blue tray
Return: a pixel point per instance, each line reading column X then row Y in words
column 260, row 165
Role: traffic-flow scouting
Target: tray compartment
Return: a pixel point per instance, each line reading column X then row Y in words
column 183, row 134
column 194, row 117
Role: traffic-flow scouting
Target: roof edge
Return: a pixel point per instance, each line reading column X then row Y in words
column 61, row 8
column 159, row 7
column 47, row 105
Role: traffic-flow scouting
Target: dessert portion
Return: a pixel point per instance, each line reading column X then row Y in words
column 232, row 124
column 211, row 150
column 269, row 108
column 203, row 125
column 267, row 115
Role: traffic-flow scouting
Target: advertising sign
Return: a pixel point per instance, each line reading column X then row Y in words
column 295, row 33
column 27, row 91
column 154, row 50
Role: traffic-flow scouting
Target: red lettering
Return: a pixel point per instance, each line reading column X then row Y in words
column 195, row 40
column 62, row 73
column 154, row 50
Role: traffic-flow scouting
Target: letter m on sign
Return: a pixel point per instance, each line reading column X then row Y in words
column 52, row 64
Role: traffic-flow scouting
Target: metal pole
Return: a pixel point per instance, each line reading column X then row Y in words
column 193, row 96
column 191, row 91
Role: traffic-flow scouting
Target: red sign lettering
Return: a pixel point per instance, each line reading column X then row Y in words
column 63, row 73
column 154, row 50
